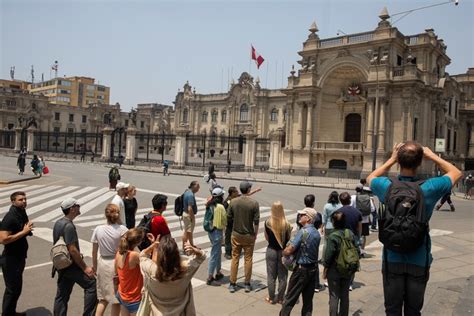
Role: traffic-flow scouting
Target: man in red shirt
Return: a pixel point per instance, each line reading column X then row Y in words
column 159, row 226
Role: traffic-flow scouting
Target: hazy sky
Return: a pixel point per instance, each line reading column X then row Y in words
column 146, row 50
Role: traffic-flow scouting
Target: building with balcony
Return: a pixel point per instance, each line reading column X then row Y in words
column 74, row 91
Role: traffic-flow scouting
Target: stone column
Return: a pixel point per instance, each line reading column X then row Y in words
column 471, row 143
column 381, row 133
column 106, row 142
column 30, row 142
column 309, row 128
column 250, row 149
column 370, row 124
column 181, row 148
column 299, row 135
column 275, row 150
column 131, row 146
column 18, row 138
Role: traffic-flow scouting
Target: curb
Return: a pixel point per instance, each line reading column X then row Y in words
column 18, row 180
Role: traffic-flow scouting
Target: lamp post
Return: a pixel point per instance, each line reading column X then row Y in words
column 374, row 61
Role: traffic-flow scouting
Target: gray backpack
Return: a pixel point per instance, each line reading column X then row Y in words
column 363, row 203
column 60, row 255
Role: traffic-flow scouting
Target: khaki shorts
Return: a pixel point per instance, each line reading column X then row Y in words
column 188, row 224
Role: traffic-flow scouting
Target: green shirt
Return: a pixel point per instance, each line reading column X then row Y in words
column 244, row 212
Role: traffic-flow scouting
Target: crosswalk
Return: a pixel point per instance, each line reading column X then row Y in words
column 43, row 208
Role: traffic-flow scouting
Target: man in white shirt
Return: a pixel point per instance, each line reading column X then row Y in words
column 122, row 189
column 362, row 194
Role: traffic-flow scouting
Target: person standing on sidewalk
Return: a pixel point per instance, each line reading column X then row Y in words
column 244, row 212
column 469, row 183
column 14, row 229
column 362, row 201
column 233, row 193
column 122, row 189
column 131, row 205
column 444, row 199
column 330, row 207
column 189, row 212
column 406, row 274
column 277, row 233
column 78, row 272
column 305, row 246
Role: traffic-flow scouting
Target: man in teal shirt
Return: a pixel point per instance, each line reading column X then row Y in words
column 405, row 279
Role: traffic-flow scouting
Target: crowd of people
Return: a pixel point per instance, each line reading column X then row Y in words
column 140, row 269
column 37, row 164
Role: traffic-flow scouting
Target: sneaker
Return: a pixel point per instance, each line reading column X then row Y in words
column 219, row 276
column 326, row 284
column 453, row 209
column 232, row 287
column 350, row 288
column 228, row 257
column 209, row 281
column 318, row 288
column 374, row 229
column 248, row 288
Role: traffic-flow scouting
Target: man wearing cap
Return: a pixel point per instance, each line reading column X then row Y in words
column 79, row 272
column 305, row 246
column 214, row 231
column 122, row 189
column 14, row 229
column 244, row 212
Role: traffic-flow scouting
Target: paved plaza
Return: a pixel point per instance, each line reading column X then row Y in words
column 449, row 289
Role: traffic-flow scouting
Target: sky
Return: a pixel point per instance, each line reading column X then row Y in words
column 146, row 50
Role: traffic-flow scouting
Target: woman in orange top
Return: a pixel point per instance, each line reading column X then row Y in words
column 127, row 267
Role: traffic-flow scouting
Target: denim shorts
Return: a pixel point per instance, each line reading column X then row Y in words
column 132, row 307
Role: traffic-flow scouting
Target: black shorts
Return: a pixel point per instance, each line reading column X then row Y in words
column 365, row 229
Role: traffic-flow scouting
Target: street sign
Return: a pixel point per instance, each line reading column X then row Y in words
column 440, row 145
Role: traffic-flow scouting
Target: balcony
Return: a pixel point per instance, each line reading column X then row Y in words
column 407, row 72
column 338, row 147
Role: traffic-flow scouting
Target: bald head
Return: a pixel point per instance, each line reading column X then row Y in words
column 410, row 155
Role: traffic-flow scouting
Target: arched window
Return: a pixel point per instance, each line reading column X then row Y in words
column 224, row 116
column 352, row 128
column 185, row 115
column 274, row 115
column 204, row 117
column 285, row 115
column 244, row 113
column 214, row 116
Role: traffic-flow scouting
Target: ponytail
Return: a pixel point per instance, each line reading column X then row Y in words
column 130, row 240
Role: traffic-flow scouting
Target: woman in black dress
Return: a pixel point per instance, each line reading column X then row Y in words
column 131, row 207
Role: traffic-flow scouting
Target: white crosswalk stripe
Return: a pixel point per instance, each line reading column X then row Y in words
column 6, row 193
column 30, row 194
column 10, row 187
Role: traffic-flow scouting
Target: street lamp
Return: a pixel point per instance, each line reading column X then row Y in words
column 374, row 61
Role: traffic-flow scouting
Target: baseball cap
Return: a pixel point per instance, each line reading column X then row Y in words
column 245, row 185
column 311, row 212
column 122, row 185
column 68, row 203
column 218, row 192
column 359, row 187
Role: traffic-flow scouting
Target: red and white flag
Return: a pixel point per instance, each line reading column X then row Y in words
column 257, row 57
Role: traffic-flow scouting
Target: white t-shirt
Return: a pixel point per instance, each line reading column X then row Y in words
column 108, row 238
column 117, row 200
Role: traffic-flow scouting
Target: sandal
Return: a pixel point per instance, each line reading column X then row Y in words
column 268, row 300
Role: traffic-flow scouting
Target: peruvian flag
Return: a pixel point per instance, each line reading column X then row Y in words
column 257, row 57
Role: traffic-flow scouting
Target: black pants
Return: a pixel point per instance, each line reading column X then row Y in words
column 227, row 239
column 12, row 269
column 130, row 219
column 301, row 282
column 446, row 198
column 338, row 293
column 404, row 289
column 66, row 280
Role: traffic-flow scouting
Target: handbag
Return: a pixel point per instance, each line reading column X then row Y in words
column 145, row 306
column 45, row 170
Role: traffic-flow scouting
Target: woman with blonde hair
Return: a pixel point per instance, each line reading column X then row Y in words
column 131, row 206
column 277, row 233
column 168, row 289
column 105, row 241
column 129, row 276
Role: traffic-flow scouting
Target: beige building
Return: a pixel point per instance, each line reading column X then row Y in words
column 74, row 91
column 352, row 99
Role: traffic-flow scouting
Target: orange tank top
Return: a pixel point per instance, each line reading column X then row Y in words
column 130, row 281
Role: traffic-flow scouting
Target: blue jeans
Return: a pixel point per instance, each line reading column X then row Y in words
column 216, row 251
column 374, row 220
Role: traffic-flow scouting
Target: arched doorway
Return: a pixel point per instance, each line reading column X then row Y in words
column 352, row 128
column 338, row 164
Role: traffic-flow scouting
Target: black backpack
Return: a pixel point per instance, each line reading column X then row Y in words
column 179, row 205
column 363, row 204
column 145, row 224
column 403, row 224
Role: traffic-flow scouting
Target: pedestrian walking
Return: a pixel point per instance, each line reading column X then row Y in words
column 189, row 212
column 78, row 272
column 341, row 260
column 330, row 207
column 277, row 234
column 168, row 289
column 35, row 165
column 165, row 168
column 233, row 193
column 14, row 229
column 444, row 199
column 229, row 165
column 305, row 247
column 21, row 162
column 244, row 212
column 105, row 241
column 83, row 156
column 129, row 276
column 363, row 202
column 131, row 205
column 92, row 156
column 213, row 183
column 469, row 183
column 211, row 169
column 215, row 220
column 114, row 177
column 407, row 256
column 122, row 190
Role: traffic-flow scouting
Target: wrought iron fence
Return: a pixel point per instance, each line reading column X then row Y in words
column 7, row 139
column 155, row 147
column 65, row 142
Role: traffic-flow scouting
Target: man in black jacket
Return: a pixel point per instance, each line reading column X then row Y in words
column 13, row 231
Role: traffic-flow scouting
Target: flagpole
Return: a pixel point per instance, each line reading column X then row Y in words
column 266, row 77
column 250, row 59
column 276, row 74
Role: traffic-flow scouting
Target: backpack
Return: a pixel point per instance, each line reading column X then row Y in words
column 403, row 224
column 208, row 222
column 363, row 204
column 114, row 174
column 291, row 262
column 145, row 224
column 179, row 205
column 60, row 255
column 347, row 261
